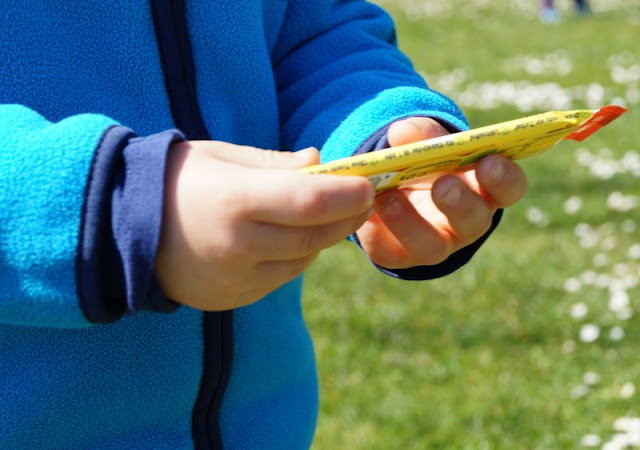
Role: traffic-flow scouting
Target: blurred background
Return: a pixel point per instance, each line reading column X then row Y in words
column 535, row 344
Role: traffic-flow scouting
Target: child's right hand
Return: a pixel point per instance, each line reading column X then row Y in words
column 238, row 222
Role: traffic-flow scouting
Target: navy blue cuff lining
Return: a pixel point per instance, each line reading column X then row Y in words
column 98, row 295
column 136, row 204
column 120, row 228
column 378, row 141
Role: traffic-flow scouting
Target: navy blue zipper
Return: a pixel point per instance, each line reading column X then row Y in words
column 169, row 17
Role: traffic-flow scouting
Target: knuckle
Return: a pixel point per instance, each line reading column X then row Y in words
column 223, row 249
column 230, row 247
column 314, row 203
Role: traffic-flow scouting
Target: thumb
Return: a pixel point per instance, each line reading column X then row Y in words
column 262, row 159
column 414, row 129
column 274, row 159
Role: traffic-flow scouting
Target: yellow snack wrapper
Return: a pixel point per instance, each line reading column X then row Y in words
column 516, row 139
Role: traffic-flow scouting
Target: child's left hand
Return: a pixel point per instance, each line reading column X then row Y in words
column 414, row 227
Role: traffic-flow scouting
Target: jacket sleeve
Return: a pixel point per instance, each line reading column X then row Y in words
column 69, row 249
column 341, row 77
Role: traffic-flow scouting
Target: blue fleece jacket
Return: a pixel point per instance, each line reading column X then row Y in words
column 92, row 94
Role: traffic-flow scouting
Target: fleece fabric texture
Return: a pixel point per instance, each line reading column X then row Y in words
column 270, row 73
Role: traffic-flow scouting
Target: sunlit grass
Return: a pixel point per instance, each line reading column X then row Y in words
column 534, row 343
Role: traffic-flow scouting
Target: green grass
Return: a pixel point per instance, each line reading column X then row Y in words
column 490, row 356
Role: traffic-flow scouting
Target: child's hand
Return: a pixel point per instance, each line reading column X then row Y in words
column 238, row 223
column 416, row 227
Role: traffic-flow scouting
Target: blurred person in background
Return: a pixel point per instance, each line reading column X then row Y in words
column 549, row 13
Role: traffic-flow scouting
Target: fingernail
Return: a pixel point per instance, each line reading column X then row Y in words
column 391, row 207
column 497, row 171
column 453, row 195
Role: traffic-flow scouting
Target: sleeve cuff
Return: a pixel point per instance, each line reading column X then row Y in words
column 121, row 226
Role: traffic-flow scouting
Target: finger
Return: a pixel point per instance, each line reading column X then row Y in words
column 416, row 240
column 299, row 199
column 280, row 243
column 381, row 245
column 270, row 275
column 501, row 180
column 467, row 213
column 414, row 129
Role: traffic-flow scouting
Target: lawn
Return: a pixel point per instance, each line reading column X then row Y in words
column 535, row 344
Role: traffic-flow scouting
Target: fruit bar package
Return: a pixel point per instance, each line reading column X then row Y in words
column 516, row 139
